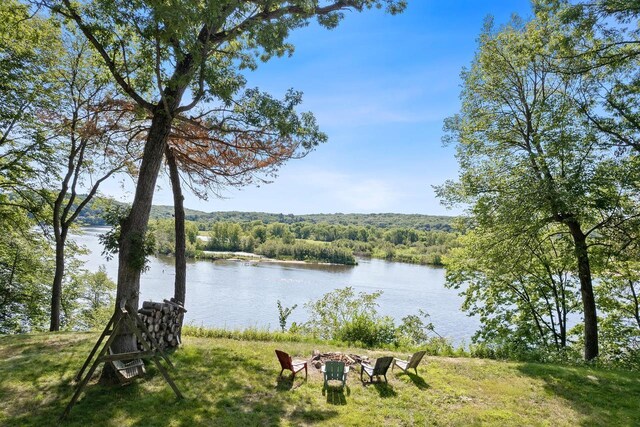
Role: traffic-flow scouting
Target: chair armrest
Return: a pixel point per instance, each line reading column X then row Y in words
column 366, row 368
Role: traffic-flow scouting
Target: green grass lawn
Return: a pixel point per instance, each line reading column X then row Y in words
column 235, row 383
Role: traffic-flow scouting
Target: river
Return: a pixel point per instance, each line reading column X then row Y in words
column 234, row 294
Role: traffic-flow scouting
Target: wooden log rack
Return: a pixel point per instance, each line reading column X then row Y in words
column 123, row 317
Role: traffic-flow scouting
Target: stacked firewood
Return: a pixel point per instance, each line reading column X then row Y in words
column 163, row 321
column 320, row 359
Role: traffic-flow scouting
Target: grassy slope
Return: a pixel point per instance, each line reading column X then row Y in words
column 230, row 382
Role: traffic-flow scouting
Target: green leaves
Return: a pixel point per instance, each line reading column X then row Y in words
column 283, row 314
column 28, row 48
column 154, row 45
column 534, row 171
column 26, row 267
column 522, row 144
column 346, row 316
column 341, row 306
column 520, row 284
column 88, row 300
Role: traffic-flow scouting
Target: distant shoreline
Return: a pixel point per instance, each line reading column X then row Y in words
column 255, row 258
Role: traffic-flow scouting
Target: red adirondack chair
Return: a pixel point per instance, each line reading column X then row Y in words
column 294, row 366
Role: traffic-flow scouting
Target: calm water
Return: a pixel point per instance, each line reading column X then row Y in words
column 238, row 294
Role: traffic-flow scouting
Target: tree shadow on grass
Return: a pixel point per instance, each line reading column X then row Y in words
column 602, row 397
column 221, row 387
column 311, row 415
column 25, row 344
column 35, row 371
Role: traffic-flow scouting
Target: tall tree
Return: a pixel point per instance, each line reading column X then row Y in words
column 600, row 43
column 93, row 139
column 158, row 53
column 29, row 47
column 180, row 242
column 29, row 50
column 525, row 155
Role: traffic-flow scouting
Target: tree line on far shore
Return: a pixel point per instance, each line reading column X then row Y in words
column 93, row 215
column 307, row 241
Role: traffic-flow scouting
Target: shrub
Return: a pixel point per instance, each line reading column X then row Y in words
column 304, row 251
column 368, row 330
column 346, row 316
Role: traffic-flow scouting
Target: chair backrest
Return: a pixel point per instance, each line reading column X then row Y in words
column 415, row 359
column 334, row 370
column 382, row 365
column 285, row 360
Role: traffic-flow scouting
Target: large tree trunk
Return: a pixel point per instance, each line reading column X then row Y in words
column 586, row 290
column 180, row 285
column 134, row 228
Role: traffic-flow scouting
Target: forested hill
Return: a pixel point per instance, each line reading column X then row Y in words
column 93, row 215
column 383, row 220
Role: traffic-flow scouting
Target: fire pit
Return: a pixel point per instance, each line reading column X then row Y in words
column 320, row 359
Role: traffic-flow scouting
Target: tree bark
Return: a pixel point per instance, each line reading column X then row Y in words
column 60, row 235
column 56, row 291
column 134, row 227
column 636, row 304
column 180, row 285
column 586, row 290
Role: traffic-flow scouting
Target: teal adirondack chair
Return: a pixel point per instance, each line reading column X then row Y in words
column 412, row 363
column 335, row 371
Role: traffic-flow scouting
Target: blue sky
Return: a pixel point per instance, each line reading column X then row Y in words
column 380, row 86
